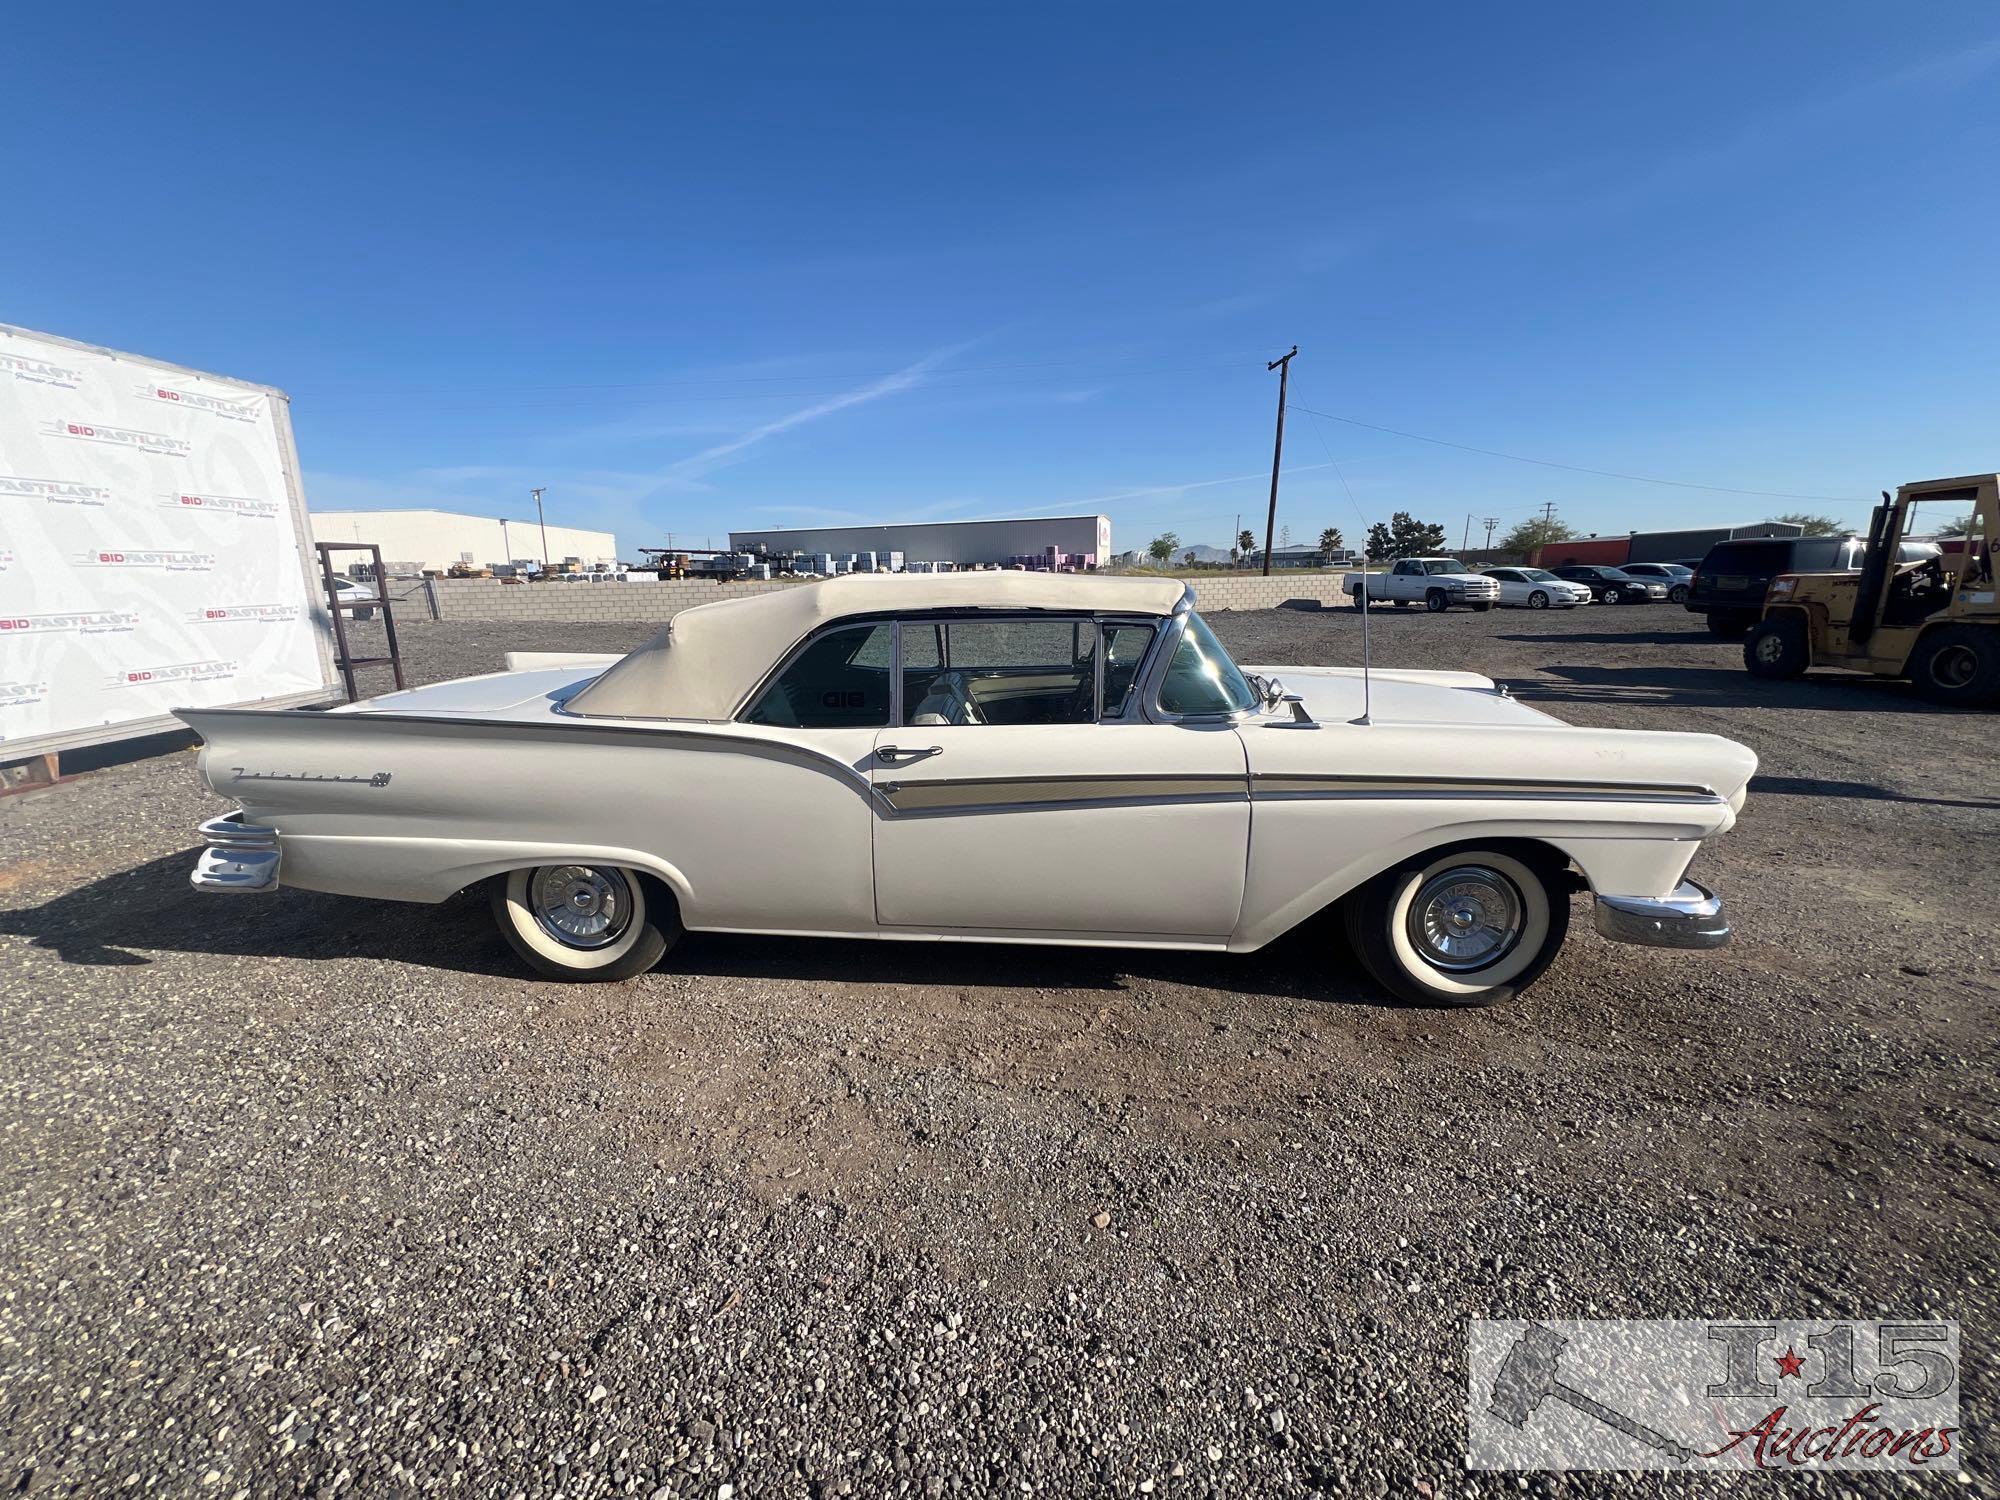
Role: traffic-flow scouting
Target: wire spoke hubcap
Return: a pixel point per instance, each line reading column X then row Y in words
column 1465, row 918
column 581, row 906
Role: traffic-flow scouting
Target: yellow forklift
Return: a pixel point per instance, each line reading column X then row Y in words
column 1933, row 620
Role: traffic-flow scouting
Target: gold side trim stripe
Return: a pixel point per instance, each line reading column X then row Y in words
column 1469, row 786
column 1007, row 792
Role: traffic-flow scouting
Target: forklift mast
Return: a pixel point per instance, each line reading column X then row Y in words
column 1885, row 531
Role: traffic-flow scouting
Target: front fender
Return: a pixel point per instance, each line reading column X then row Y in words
column 1299, row 869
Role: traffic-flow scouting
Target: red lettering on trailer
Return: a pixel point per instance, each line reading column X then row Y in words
column 78, row 430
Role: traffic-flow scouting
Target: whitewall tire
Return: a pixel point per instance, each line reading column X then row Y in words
column 584, row 922
column 1465, row 926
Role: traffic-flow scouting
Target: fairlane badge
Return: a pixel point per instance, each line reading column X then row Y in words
column 380, row 778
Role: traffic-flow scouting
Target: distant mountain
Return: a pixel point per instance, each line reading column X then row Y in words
column 1203, row 553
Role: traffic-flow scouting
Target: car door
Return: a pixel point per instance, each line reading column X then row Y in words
column 1512, row 589
column 1021, row 791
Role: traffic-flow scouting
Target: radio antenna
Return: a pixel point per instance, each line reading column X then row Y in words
column 1362, row 595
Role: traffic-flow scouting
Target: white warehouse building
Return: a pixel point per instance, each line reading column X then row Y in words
column 1086, row 539
column 436, row 539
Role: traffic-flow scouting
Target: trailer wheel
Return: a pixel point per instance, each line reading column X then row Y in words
column 1777, row 647
column 1958, row 665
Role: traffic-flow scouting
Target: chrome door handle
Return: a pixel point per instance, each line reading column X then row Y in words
column 894, row 753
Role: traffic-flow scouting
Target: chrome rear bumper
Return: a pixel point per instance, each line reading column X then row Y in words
column 241, row 858
column 1691, row 917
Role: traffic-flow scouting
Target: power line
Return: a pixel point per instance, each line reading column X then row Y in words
column 1679, row 484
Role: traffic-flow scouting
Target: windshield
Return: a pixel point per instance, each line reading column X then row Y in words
column 1201, row 679
column 1539, row 575
column 1448, row 565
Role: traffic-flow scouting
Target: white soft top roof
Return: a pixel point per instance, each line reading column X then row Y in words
column 704, row 661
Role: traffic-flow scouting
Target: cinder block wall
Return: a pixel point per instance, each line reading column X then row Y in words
column 644, row 603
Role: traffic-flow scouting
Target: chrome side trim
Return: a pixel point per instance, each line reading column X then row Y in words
column 1345, row 786
column 1692, row 917
column 1013, row 793
column 241, row 858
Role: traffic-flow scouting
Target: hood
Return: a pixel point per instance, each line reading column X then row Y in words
column 1333, row 694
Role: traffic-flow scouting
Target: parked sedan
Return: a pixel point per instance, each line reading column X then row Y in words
column 1538, row 588
column 984, row 757
column 1613, row 585
column 1678, row 578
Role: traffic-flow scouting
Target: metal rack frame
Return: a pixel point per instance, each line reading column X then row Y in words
column 339, row 608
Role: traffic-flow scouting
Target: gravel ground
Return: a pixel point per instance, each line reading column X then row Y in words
column 306, row 1194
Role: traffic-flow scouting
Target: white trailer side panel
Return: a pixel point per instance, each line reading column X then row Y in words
column 154, row 551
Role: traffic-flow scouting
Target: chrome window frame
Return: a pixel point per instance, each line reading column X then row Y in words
column 1163, row 655
column 1134, row 712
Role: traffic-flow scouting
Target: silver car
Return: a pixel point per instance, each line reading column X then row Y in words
column 1538, row 588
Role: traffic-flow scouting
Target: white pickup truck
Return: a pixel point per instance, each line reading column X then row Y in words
column 1436, row 582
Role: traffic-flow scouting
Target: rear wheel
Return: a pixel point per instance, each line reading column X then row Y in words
column 1777, row 647
column 1458, row 927
column 1538, row 600
column 584, row 922
column 1958, row 665
column 1435, row 601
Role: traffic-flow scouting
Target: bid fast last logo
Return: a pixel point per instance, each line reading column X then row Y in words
column 170, row 561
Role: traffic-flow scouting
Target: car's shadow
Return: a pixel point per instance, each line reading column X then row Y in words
column 1716, row 687
column 1619, row 638
column 118, row 920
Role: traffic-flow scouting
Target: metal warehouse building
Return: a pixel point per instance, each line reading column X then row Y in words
column 418, row 539
column 962, row 543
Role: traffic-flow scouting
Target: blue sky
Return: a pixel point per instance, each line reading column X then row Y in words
column 689, row 267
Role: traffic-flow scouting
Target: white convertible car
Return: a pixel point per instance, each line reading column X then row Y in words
column 986, row 757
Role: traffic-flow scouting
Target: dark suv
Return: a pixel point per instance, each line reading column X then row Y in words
column 1730, row 584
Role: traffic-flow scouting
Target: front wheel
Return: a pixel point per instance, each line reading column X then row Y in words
column 1538, row 600
column 1612, row 596
column 584, row 922
column 1459, row 927
column 1777, row 647
column 1435, row 601
column 1958, row 665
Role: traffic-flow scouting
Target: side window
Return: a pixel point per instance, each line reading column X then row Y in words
column 1000, row 671
column 1406, row 568
column 839, row 681
column 1124, row 650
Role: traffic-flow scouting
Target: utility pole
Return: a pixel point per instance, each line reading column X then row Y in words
column 1233, row 548
column 1489, row 522
column 1283, row 365
column 1549, row 511
column 1465, row 540
column 542, row 521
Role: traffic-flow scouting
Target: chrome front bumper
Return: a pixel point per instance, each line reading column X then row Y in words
column 241, row 858
column 1691, row 917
